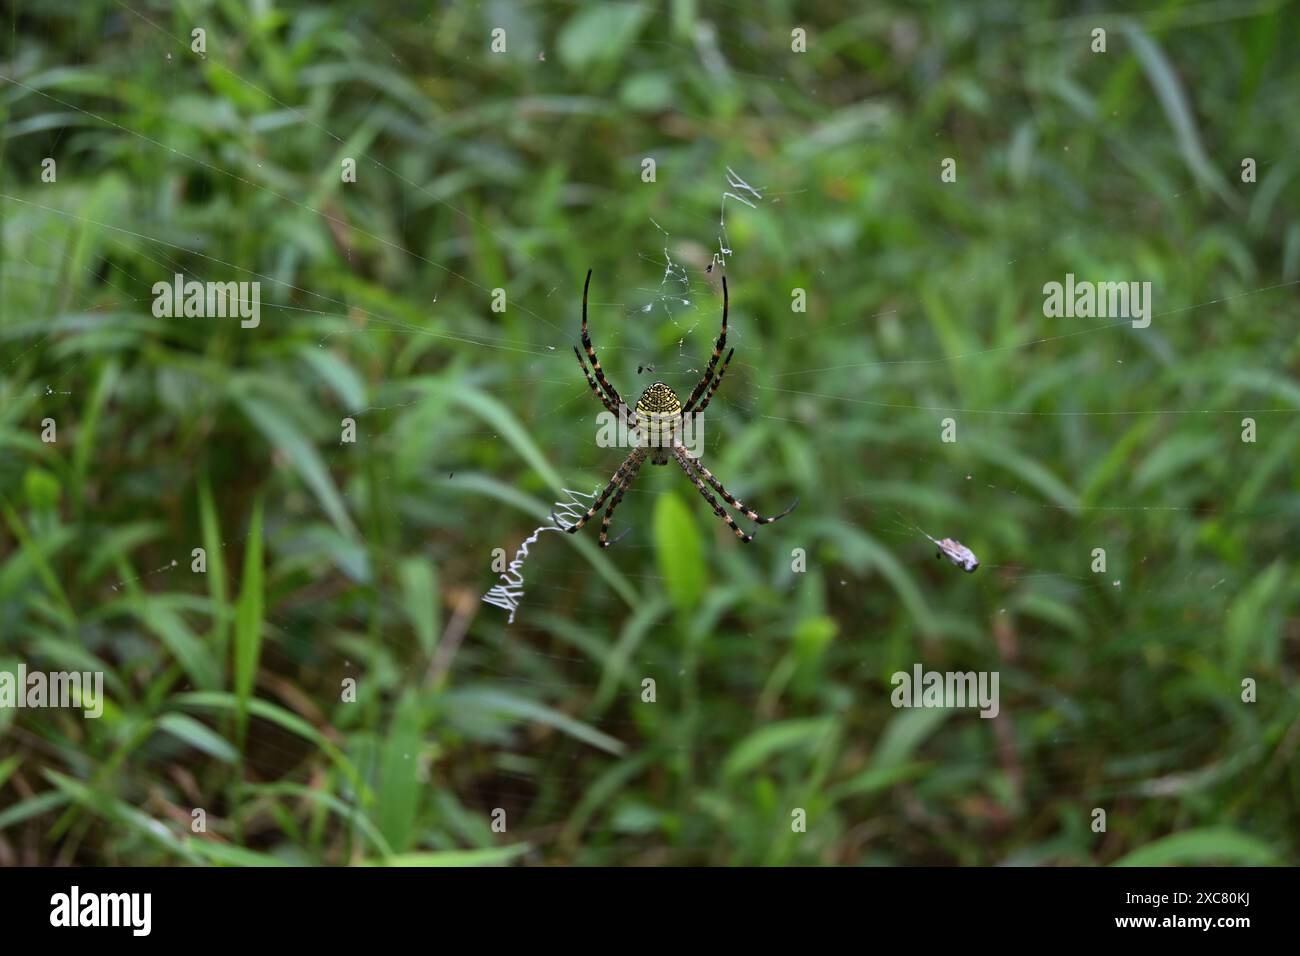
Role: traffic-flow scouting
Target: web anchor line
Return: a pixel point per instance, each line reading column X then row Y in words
column 510, row 592
column 724, row 244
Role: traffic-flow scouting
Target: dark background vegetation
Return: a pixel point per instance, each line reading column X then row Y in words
column 477, row 171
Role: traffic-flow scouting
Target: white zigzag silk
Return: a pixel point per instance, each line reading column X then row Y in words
column 510, row 592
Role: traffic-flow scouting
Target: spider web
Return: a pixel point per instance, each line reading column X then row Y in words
column 683, row 254
column 674, row 291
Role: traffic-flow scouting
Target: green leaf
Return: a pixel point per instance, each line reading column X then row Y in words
column 185, row 646
column 1254, row 626
column 501, row 418
column 420, row 600
column 600, row 32
column 1030, row 470
column 33, row 806
column 197, row 735
column 225, row 854
column 496, row 701
column 878, row 778
column 216, row 568
column 1177, row 110
column 751, row 752
column 341, row 377
column 348, row 815
column 493, row 856
column 87, row 440
column 907, row 731
column 862, row 551
column 248, row 622
column 119, row 812
column 680, row 552
column 1175, row 454
column 1203, row 847
column 399, row 779
column 813, row 634
column 282, row 434
column 210, row 700
column 41, row 489
column 7, row 767
column 35, row 551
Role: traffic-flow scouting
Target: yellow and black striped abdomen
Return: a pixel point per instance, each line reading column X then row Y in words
column 658, row 416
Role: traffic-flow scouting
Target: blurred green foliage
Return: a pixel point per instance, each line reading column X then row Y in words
column 330, row 562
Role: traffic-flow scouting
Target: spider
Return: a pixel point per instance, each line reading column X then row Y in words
column 657, row 421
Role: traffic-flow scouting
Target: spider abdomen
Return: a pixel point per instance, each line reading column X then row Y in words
column 659, row 420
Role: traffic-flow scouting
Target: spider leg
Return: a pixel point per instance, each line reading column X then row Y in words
column 629, row 418
column 717, row 353
column 591, row 351
column 736, row 503
column 618, row 496
column 708, row 396
column 687, row 466
column 604, row 399
column 636, row 456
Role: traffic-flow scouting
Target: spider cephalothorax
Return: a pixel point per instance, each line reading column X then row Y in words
column 657, row 423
